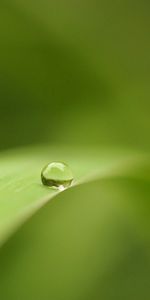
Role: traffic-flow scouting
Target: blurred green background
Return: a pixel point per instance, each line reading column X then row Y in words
column 74, row 72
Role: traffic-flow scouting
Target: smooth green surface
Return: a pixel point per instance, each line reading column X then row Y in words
column 74, row 78
column 21, row 190
column 90, row 242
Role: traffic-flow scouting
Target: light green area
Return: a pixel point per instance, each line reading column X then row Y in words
column 21, row 189
column 74, row 87
column 90, row 241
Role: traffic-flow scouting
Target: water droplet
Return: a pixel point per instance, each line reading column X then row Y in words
column 57, row 175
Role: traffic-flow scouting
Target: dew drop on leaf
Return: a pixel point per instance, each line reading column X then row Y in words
column 57, row 175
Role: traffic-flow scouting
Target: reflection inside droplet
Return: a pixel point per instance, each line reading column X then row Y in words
column 57, row 175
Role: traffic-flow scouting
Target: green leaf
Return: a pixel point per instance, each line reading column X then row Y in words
column 21, row 191
column 90, row 242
